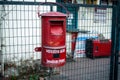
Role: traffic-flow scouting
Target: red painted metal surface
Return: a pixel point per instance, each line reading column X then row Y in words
column 73, row 44
column 38, row 49
column 98, row 48
column 101, row 48
column 53, row 39
column 74, row 36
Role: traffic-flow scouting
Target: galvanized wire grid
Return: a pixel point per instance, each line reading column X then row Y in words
column 21, row 33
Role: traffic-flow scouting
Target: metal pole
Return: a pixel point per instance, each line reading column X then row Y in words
column 117, row 43
column 113, row 44
column 113, row 61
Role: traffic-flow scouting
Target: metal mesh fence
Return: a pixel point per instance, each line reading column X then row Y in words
column 119, row 66
column 20, row 30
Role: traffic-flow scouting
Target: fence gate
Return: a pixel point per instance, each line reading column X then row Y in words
column 88, row 41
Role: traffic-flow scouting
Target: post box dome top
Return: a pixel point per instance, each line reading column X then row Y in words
column 53, row 14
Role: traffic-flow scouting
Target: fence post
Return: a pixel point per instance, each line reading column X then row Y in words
column 115, row 41
column 113, row 44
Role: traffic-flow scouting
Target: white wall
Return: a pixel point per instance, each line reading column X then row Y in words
column 21, row 32
column 18, row 26
column 1, row 30
column 86, row 22
column 0, row 24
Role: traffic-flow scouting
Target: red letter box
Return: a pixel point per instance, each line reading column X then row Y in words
column 53, row 39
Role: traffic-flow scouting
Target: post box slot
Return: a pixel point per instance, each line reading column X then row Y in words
column 56, row 55
column 56, row 27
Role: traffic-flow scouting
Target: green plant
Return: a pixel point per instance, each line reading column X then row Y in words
column 13, row 78
column 34, row 77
